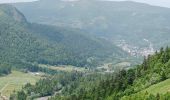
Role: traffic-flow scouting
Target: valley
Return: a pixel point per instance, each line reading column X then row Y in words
column 84, row 50
column 127, row 24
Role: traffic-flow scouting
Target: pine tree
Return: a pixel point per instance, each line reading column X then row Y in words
column 163, row 76
column 21, row 95
column 145, row 63
column 161, row 50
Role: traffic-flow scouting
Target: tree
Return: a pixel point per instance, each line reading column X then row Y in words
column 145, row 63
column 161, row 50
column 163, row 76
column 158, row 96
column 130, row 77
column 21, row 95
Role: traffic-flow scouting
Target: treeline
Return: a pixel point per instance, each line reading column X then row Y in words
column 34, row 67
column 112, row 85
column 46, row 87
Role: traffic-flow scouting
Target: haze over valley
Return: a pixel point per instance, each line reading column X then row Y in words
column 126, row 24
column 84, row 50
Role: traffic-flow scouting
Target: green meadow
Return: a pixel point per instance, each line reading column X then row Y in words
column 161, row 88
column 15, row 81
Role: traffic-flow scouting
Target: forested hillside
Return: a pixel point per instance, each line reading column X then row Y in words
column 77, row 48
column 77, row 35
column 154, row 69
column 136, row 27
column 25, row 45
column 123, row 85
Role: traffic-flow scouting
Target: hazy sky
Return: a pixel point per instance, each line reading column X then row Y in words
column 9, row 1
column 164, row 3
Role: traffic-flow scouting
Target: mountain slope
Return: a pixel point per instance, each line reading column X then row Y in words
column 129, row 84
column 142, row 82
column 135, row 27
column 23, row 43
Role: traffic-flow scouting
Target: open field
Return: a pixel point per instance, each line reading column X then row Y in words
column 65, row 68
column 15, row 81
column 162, row 88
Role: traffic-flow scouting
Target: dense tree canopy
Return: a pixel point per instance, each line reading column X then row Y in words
column 5, row 69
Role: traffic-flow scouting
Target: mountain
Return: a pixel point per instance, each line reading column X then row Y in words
column 137, row 28
column 24, row 44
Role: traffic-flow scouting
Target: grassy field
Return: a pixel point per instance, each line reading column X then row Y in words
column 162, row 88
column 65, row 68
column 15, row 81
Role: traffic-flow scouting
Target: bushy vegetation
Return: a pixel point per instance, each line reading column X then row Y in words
column 5, row 69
